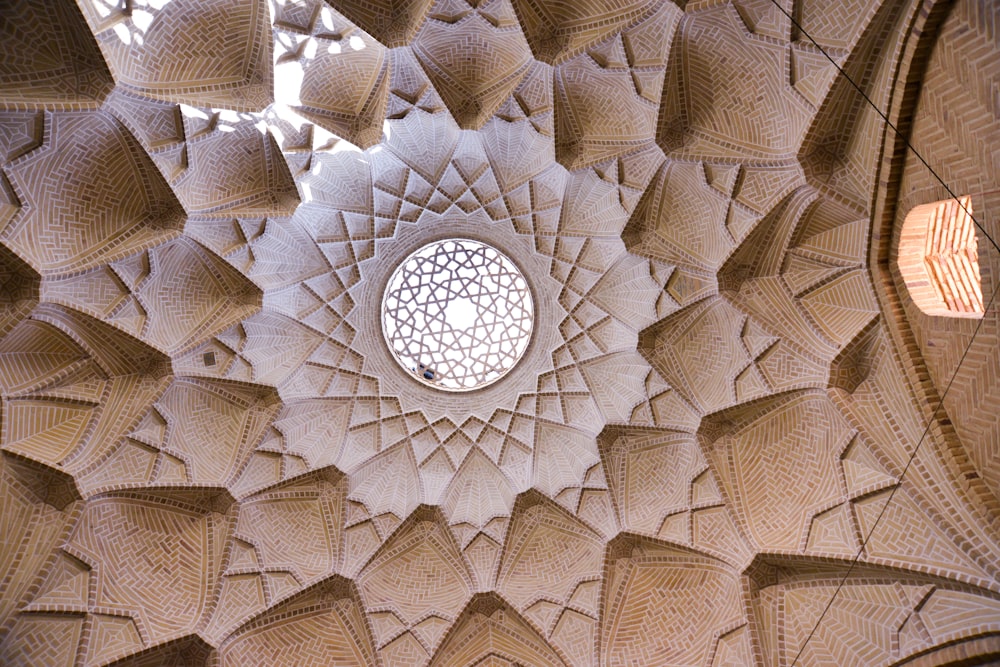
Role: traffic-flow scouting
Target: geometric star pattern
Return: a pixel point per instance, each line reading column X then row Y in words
column 210, row 456
column 457, row 313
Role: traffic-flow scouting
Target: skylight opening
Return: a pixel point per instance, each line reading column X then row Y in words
column 457, row 314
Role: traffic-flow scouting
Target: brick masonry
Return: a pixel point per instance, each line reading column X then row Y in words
column 209, row 457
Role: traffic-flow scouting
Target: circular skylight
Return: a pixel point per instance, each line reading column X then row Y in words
column 457, row 314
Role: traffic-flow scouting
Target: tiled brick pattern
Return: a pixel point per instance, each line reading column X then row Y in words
column 88, row 194
column 315, row 45
column 475, row 75
column 192, row 51
column 47, row 59
column 955, row 128
column 393, row 22
column 698, row 598
column 874, row 619
column 607, row 97
column 209, row 457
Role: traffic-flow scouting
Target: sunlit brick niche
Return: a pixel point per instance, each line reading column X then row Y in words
column 939, row 261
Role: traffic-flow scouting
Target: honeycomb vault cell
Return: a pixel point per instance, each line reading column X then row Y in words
column 457, row 314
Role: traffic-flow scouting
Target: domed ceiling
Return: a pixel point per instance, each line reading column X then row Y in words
column 211, row 456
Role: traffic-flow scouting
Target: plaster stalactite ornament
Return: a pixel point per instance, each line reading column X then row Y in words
column 215, row 234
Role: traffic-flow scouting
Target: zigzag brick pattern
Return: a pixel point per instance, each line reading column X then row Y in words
column 209, row 455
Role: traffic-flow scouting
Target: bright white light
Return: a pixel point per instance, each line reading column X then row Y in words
column 193, row 112
column 309, row 51
column 326, row 20
column 142, row 20
column 123, row 34
column 461, row 314
column 288, row 83
column 103, row 9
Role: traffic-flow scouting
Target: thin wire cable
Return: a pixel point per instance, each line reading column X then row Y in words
column 961, row 360
column 889, row 123
column 902, row 476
